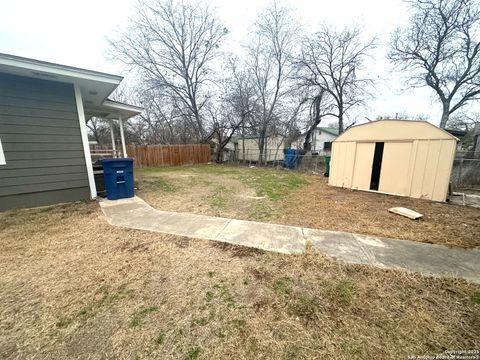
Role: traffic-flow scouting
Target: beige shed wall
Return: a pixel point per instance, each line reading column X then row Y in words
column 418, row 168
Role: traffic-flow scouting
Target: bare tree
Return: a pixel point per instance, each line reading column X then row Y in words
column 161, row 120
column 328, row 64
column 96, row 128
column 463, row 121
column 319, row 108
column 269, row 62
column 173, row 46
column 99, row 128
column 441, row 48
column 223, row 127
column 403, row 115
column 239, row 99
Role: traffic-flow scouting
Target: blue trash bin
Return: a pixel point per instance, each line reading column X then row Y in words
column 118, row 175
column 290, row 158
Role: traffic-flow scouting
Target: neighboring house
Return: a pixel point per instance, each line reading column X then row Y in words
column 44, row 152
column 476, row 141
column 322, row 139
column 460, row 135
column 228, row 152
column 246, row 148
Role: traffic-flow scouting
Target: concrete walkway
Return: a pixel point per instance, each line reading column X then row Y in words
column 436, row 260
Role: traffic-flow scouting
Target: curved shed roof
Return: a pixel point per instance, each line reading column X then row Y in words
column 391, row 130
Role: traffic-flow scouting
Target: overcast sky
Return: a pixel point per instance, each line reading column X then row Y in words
column 74, row 33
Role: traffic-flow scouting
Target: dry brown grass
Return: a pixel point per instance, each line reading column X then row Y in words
column 321, row 206
column 219, row 191
column 71, row 286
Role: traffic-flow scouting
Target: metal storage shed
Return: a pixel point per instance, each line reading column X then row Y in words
column 398, row 157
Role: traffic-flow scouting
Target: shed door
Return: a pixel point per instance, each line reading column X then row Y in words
column 362, row 167
column 394, row 176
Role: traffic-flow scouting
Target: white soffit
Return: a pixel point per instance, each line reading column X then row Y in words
column 95, row 86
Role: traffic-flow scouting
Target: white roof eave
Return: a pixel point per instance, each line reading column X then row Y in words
column 95, row 86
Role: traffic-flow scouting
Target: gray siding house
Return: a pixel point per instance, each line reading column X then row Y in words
column 44, row 151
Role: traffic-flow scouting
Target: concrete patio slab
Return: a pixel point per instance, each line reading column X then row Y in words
column 429, row 259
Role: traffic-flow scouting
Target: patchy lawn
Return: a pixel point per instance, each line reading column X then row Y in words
column 74, row 287
column 292, row 198
column 238, row 192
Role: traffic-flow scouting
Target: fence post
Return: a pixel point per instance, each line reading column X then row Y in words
column 460, row 182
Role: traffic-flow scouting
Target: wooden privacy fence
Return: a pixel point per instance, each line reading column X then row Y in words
column 160, row 155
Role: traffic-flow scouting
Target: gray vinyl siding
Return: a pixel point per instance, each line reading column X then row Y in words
column 41, row 139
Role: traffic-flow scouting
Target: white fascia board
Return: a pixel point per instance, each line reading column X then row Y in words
column 122, row 106
column 46, row 68
column 86, row 146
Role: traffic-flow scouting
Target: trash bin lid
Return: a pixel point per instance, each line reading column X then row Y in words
column 114, row 160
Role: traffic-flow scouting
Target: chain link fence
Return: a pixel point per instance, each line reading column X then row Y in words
column 465, row 171
column 275, row 158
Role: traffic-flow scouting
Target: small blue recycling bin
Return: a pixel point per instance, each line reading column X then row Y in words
column 118, row 175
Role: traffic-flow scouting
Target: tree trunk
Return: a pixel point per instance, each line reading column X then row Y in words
column 243, row 143
column 261, row 146
column 445, row 115
column 340, row 118
column 219, row 155
column 219, row 152
column 307, row 145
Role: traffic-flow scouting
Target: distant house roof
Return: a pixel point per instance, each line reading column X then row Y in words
column 456, row 132
column 331, row 131
column 251, row 137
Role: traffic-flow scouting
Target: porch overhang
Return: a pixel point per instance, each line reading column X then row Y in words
column 112, row 110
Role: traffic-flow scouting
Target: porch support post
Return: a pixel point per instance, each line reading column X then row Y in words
column 122, row 136
column 113, row 139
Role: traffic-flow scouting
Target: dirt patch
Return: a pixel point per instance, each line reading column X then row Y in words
column 182, row 242
column 318, row 205
column 73, row 286
column 204, row 193
column 238, row 251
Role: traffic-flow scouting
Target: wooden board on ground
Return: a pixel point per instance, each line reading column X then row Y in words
column 406, row 212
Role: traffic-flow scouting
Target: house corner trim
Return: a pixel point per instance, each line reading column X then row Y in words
column 86, row 146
